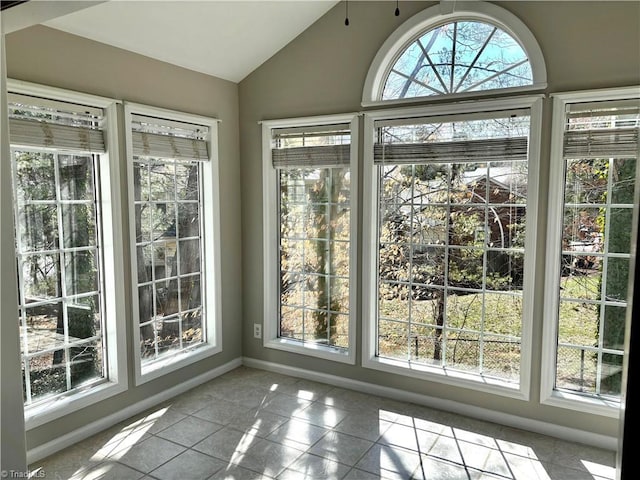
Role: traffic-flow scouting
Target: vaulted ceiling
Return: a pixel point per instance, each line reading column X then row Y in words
column 224, row 38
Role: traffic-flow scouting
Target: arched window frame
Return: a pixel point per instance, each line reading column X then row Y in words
column 449, row 106
column 435, row 16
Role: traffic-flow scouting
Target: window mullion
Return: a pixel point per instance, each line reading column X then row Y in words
column 329, row 246
column 202, row 212
column 483, row 313
column 152, row 245
column 24, row 338
column 444, row 360
column 99, row 257
column 63, row 252
column 305, row 312
column 454, row 43
column 475, row 59
column 178, row 254
column 605, row 270
column 410, row 273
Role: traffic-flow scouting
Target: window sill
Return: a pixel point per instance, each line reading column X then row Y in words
column 162, row 366
column 583, row 403
column 449, row 377
column 62, row 405
column 455, row 97
column 334, row 354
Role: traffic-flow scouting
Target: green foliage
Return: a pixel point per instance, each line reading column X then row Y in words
column 598, row 182
column 314, row 222
column 56, row 207
column 617, row 278
column 461, row 225
column 325, row 190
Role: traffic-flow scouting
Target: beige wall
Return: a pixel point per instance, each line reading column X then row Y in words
column 50, row 57
column 12, row 437
column 585, row 44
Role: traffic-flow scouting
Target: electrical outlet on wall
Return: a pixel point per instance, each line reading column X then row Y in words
column 257, row 330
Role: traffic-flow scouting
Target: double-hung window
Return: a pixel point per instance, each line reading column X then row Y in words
column 66, row 249
column 174, row 222
column 593, row 183
column 447, row 283
column 309, row 211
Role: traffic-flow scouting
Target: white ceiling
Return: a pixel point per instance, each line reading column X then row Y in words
column 225, row 38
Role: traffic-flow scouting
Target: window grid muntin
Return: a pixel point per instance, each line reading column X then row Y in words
column 448, row 248
column 147, row 162
column 62, row 298
column 306, row 205
column 449, row 90
column 599, row 350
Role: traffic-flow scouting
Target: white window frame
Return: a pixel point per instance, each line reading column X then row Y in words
column 369, row 267
column 211, row 270
column 434, row 16
column 271, row 228
column 112, row 265
column 548, row 394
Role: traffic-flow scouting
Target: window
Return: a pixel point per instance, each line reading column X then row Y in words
column 310, row 196
column 65, row 250
column 173, row 186
column 594, row 160
column 450, row 196
column 457, row 57
column 451, row 191
column 477, row 49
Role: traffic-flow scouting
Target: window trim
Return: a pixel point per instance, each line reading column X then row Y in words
column 113, row 266
column 212, row 286
column 369, row 255
column 548, row 395
column 437, row 15
column 270, row 337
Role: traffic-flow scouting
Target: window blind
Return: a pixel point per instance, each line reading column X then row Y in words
column 608, row 129
column 154, row 137
column 503, row 149
column 41, row 123
column 314, row 146
column 601, row 143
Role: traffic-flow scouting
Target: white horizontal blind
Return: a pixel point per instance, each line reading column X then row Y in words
column 602, row 130
column 314, row 146
column 466, row 138
column 154, row 137
column 41, row 123
column 514, row 148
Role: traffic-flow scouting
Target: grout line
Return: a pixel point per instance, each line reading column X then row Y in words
column 396, row 420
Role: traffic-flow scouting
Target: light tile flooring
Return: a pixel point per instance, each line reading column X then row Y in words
column 253, row 424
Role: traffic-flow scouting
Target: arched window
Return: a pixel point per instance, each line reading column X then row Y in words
column 479, row 49
column 451, row 190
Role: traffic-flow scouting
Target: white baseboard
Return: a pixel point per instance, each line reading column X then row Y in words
column 514, row 421
column 64, row 441
column 565, row 433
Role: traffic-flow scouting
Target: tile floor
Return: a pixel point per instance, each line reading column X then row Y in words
column 253, row 424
